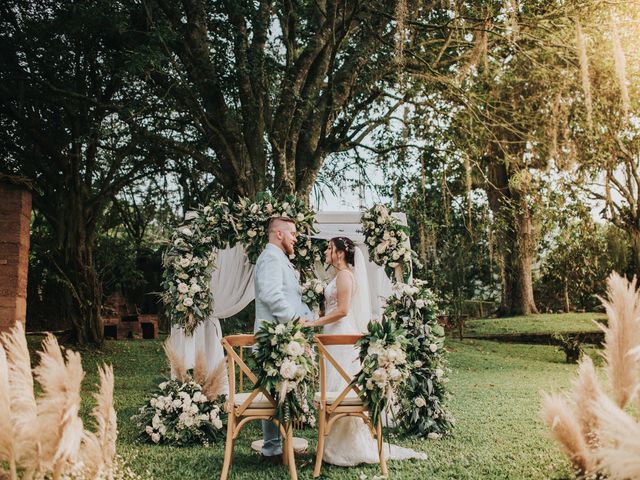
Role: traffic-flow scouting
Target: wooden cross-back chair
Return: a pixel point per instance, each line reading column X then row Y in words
column 335, row 405
column 244, row 407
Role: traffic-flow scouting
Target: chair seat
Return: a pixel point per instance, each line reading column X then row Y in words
column 260, row 401
column 351, row 399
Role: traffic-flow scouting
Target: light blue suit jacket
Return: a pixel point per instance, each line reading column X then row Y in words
column 278, row 292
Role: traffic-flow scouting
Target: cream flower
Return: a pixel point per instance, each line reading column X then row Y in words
column 294, row 349
column 420, row 402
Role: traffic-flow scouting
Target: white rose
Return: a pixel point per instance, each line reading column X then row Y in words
column 148, row 429
column 191, row 215
column 395, row 255
column 177, row 403
column 188, row 301
column 251, row 233
column 294, row 349
column 163, row 385
column 268, row 208
column 193, row 409
column 162, row 429
column 417, row 364
column 420, row 402
column 188, row 422
column 183, row 287
column 217, row 423
column 285, row 205
column 370, row 384
column 155, row 422
column 300, row 217
column 195, row 288
column 439, row 373
column 186, row 231
column 420, row 303
column 379, row 375
column 395, row 374
column 318, row 288
column 433, row 347
column 153, row 402
column 155, row 437
column 280, row 329
column 288, row 369
column 434, row 436
column 184, row 262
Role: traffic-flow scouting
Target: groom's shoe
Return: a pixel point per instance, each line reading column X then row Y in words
column 273, row 459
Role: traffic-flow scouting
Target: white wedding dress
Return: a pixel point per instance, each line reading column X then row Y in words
column 350, row 442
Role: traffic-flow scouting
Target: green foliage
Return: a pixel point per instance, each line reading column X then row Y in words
column 576, row 265
column 571, row 345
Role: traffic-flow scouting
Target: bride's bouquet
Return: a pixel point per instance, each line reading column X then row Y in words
column 384, row 366
column 288, row 370
column 313, row 293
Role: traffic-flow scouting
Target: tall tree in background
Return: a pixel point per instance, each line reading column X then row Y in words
column 262, row 92
column 64, row 92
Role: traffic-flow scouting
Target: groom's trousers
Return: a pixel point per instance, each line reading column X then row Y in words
column 272, row 441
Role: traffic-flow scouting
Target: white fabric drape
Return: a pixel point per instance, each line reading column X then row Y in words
column 232, row 287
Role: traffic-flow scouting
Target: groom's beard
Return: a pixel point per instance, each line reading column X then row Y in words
column 288, row 249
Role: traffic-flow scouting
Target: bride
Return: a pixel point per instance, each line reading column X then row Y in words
column 347, row 311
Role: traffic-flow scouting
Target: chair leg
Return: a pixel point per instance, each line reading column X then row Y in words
column 291, row 460
column 383, row 463
column 320, row 448
column 228, row 449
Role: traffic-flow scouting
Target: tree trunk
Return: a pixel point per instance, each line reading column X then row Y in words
column 73, row 224
column 515, row 242
column 567, row 304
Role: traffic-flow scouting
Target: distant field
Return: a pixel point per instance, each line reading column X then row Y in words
column 543, row 323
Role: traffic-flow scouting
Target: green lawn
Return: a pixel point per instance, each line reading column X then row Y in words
column 495, row 400
column 543, row 323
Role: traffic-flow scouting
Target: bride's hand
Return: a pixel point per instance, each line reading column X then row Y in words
column 307, row 323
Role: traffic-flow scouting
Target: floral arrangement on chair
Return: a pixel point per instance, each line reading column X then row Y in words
column 287, row 369
column 384, row 366
column 186, row 410
column 413, row 308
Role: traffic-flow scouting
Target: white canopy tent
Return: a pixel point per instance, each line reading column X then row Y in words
column 233, row 290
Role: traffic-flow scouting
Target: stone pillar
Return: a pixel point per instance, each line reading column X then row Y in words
column 15, row 219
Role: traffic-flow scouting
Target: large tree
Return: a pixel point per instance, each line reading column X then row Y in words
column 65, row 102
column 263, row 91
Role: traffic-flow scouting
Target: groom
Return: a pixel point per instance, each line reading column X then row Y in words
column 278, row 299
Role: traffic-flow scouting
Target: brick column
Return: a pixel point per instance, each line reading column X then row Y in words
column 15, row 218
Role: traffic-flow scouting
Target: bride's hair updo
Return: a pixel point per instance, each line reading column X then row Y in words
column 346, row 245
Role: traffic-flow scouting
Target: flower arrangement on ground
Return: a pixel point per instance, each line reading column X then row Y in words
column 186, row 410
column 384, row 366
column 287, row 369
column 387, row 241
column 413, row 308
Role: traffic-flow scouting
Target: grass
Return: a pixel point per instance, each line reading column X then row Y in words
column 495, row 400
column 542, row 323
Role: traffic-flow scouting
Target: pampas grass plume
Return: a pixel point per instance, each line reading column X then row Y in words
column 619, row 453
column 7, row 451
column 216, row 382
column 178, row 368
column 200, row 368
column 58, row 406
column 565, row 429
column 621, row 336
column 586, row 390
